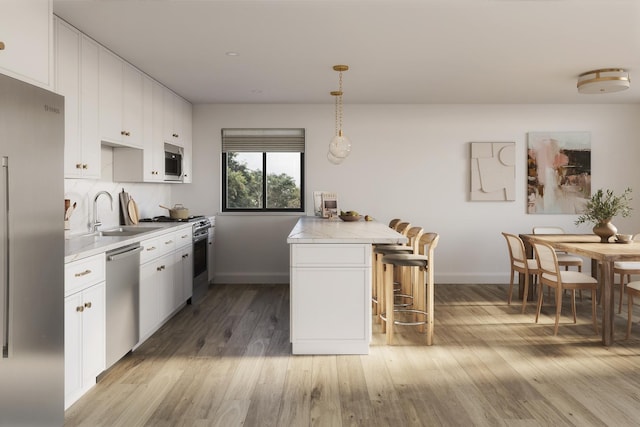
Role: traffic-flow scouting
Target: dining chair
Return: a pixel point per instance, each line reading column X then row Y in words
column 633, row 288
column 549, row 274
column 422, row 312
column 625, row 269
column 564, row 259
column 520, row 264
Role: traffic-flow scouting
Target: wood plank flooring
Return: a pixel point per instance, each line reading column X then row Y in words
column 227, row 362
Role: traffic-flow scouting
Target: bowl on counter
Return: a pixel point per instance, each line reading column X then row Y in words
column 349, row 218
column 624, row 238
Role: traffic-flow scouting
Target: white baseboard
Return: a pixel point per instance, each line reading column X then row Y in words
column 251, row 278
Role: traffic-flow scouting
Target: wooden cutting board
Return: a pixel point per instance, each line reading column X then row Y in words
column 132, row 208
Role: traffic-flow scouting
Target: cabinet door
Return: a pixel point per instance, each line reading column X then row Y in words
column 111, row 100
column 132, row 106
column 149, row 298
column 165, row 286
column 170, row 119
column 183, row 283
column 72, row 347
column 93, row 332
column 157, row 144
column 26, row 33
column 67, row 56
column 89, row 106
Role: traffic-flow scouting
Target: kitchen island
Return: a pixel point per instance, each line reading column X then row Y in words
column 330, row 269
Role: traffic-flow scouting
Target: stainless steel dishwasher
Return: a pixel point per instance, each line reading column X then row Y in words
column 123, row 284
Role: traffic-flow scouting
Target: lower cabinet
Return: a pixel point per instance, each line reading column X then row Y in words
column 183, row 283
column 166, row 270
column 84, row 344
column 330, row 298
column 156, row 293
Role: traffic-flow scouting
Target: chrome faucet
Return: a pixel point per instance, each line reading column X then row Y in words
column 95, row 224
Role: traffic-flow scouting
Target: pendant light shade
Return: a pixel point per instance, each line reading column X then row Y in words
column 340, row 146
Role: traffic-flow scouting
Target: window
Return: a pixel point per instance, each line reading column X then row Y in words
column 263, row 170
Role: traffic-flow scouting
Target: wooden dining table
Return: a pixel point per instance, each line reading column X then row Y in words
column 603, row 255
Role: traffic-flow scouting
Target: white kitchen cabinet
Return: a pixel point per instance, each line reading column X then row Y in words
column 146, row 165
column 156, row 293
column 76, row 78
column 183, row 283
column 85, row 325
column 172, row 118
column 157, row 300
column 330, row 298
column 120, row 101
column 26, row 34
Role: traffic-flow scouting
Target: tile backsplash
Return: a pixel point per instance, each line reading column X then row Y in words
column 82, row 191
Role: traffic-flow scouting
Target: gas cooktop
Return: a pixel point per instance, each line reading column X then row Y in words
column 163, row 218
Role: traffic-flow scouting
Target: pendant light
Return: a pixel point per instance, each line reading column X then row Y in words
column 340, row 146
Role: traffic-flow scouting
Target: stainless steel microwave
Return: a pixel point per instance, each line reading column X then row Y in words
column 173, row 156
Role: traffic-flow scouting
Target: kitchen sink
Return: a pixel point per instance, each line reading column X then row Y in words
column 126, row 231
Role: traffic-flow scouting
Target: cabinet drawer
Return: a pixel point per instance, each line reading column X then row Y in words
column 330, row 255
column 158, row 246
column 83, row 273
column 183, row 237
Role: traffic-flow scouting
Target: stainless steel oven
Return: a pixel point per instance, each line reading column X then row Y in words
column 200, row 254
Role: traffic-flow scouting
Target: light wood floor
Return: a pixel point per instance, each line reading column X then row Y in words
column 227, row 362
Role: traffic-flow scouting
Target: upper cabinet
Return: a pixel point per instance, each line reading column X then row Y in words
column 108, row 100
column 176, row 119
column 26, row 40
column 120, row 101
column 76, row 71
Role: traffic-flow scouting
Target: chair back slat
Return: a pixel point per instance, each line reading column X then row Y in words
column 547, row 262
column 516, row 248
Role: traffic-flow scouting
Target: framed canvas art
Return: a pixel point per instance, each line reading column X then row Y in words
column 558, row 172
column 493, row 171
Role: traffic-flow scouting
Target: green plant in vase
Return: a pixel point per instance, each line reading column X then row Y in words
column 600, row 210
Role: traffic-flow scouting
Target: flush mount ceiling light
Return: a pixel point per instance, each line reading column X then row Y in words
column 606, row 80
column 340, row 146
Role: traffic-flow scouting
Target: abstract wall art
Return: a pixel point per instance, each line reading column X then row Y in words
column 558, row 172
column 493, row 171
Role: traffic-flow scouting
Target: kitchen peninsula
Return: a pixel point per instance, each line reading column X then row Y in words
column 330, row 268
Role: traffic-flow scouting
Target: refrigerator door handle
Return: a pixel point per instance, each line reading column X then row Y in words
column 4, row 255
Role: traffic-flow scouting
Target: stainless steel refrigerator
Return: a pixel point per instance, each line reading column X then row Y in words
column 31, row 255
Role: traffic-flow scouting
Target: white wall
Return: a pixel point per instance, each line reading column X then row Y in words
column 83, row 191
column 411, row 162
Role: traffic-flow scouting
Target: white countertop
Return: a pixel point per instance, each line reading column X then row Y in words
column 311, row 229
column 82, row 246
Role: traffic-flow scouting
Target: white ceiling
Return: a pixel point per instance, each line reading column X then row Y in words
column 399, row 51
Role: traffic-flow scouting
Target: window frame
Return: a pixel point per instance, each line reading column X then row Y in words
column 264, row 208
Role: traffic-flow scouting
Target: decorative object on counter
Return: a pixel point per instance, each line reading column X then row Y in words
column 329, row 205
column 125, row 219
column 601, row 209
column 68, row 211
column 605, row 80
column 177, row 212
column 132, row 210
column 340, row 146
column 350, row 216
column 624, row 238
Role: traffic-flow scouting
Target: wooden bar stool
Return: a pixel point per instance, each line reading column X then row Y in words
column 403, row 293
column 376, row 296
column 421, row 314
